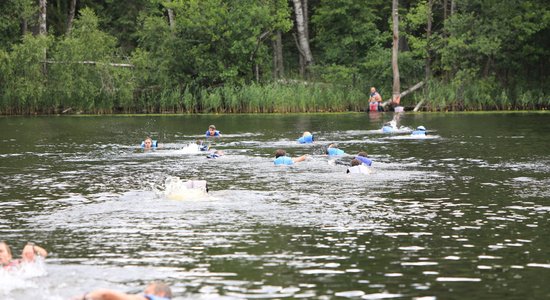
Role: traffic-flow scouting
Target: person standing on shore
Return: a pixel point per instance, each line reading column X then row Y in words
column 375, row 100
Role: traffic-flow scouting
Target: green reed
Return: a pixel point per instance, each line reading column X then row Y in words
column 476, row 95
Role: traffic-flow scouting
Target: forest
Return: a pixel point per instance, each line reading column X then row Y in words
column 281, row 56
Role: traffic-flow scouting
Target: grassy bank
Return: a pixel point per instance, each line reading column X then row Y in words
column 268, row 98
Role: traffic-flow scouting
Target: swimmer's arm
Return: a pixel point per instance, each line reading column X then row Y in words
column 299, row 159
column 105, row 294
column 40, row 251
column 31, row 250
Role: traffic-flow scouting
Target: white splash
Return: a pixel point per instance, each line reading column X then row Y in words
column 176, row 189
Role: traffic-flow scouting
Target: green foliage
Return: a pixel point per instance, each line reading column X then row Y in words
column 12, row 13
column 413, row 27
column 344, row 31
column 25, row 83
column 216, row 42
column 219, row 56
column 79, row 84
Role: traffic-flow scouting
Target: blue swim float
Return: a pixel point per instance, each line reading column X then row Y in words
column 154, row 144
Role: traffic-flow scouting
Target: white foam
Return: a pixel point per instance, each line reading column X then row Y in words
column 20, row 277
column 191, row 148
column 457, row 279
column 419, row 263
column 546, row 266
column 381, row 296
column 350, row 294
column 176, row 189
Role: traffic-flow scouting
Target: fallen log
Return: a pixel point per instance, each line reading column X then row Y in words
column 406, row 92
column 417, row 107
column 87, row 62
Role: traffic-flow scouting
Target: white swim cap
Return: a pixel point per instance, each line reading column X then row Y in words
column 421, row 128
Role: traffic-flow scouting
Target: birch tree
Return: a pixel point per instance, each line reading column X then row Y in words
column 301, row 27
column 42, row 30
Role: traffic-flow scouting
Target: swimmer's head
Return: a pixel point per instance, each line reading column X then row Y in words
column 211, row 130
column 306, row 133
column 5, row 253
column 279, row 153
column 158, row 289
column 330, row 146
column 355, row 162
column 421, row 128
column 362, row 153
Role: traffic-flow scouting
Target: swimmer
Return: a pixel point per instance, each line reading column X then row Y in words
column 357, row 167
column 215, row 154
column 390, row 126
column 202, row 146
column 362, row 157
column 28, row 255
column 420, row 131
column 154, row 291
column 212, row 132
column 332, row 150
column 282, row 159
column 149, row 143
column 307, row 138
column 176, row 189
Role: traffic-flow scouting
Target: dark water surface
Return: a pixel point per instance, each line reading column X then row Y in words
column 463, row 214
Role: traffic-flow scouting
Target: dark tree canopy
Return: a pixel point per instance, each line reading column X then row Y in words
column 221, row 55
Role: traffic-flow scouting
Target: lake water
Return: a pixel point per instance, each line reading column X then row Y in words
column 461, row 214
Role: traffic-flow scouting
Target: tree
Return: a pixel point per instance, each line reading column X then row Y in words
column 70, row 18
column 301, row 30
column 88, row 87
column 15, row 18
column 396, row 90
column 278, row 65
column 42, row 17
column 344, row 31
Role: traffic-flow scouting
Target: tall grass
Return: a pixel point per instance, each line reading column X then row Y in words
column 484, row 94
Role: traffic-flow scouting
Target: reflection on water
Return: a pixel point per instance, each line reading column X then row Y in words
column 458, row 214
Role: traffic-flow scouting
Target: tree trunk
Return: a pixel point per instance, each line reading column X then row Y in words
column 302, row 63
column 171, row 18
column 24, row 27
column 405, row 93
column 42, row 30
column 278, row 67
column 445, row 7
column 303, row 42
column 70, row 17
column 306, row 18
column 395, row 51
column 428, row 41
column 275, row 72
column 42, row 18
column 453, row 7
